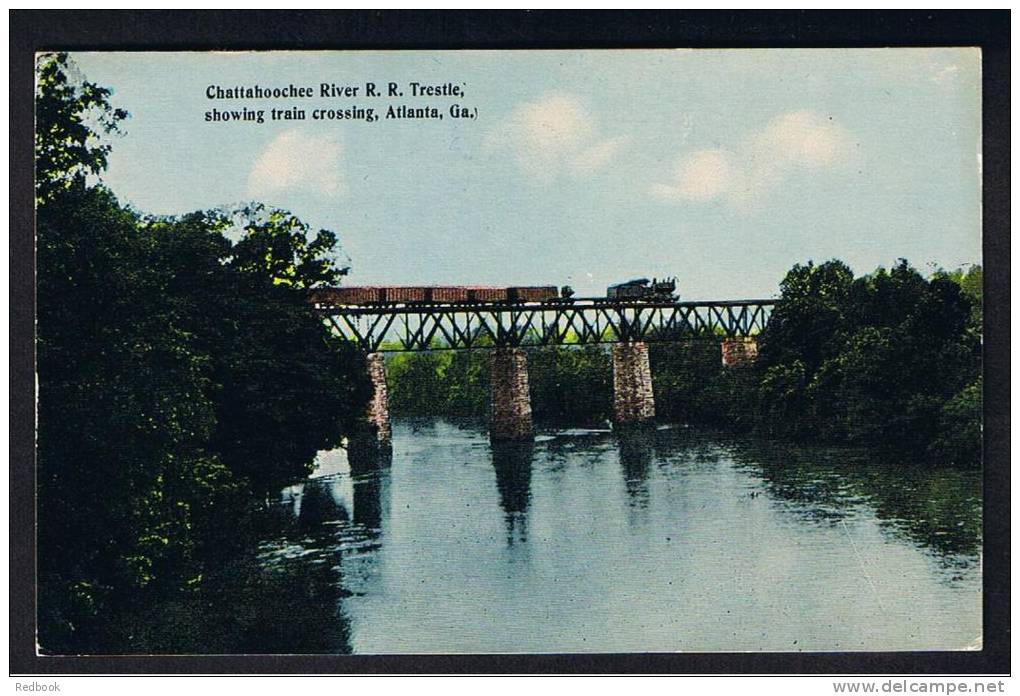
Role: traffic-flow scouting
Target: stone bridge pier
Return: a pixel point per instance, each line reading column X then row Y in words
column 633, row 399
column 377, row 416
column 738, row 351
column 370, row 447
column 510, row 413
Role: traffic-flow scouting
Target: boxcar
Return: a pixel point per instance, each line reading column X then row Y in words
column 532, row 293
column 394, row 293
column 353, row 295
column 452, row 293
column 487, row 294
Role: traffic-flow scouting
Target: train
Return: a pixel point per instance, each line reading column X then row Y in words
column 443, row 294
column 654, row 290
column 640, row 289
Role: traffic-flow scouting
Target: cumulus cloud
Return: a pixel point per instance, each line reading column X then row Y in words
column 700, row 176
column 555, row 135
column 799, row 140
column 297, row 160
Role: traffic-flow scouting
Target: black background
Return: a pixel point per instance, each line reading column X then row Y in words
column 33, row 31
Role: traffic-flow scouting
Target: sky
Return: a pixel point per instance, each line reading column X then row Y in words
column 720, row 167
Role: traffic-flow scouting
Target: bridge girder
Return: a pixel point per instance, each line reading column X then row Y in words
column 412, row 328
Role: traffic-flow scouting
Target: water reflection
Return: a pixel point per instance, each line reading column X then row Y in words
column 318, row 502
column 368, row 501
column 732, row 532
column 293, row 605
column 636, row 449
column 513, row 462
column 365, row 455
column 937, row 508
column 323, row 549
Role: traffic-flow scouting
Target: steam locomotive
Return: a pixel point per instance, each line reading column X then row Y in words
column 641, row 290
column 654, row 290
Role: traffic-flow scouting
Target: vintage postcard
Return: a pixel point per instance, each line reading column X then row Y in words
column 534, row 351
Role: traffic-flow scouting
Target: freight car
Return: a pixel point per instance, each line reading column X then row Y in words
column 429, row 295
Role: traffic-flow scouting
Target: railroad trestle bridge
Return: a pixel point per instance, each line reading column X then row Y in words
column 507, row 329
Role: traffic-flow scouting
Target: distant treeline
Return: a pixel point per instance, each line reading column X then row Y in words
column 889, row 360
column 182, row 378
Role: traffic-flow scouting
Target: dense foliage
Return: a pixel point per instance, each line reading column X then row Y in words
column 890, row 360
column 567, row 385
column 181, row 378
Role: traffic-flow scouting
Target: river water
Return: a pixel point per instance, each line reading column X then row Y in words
column 668, row 540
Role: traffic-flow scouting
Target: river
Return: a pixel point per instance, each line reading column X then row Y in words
column 668, row 540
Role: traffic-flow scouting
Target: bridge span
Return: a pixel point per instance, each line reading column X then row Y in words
column 508, row 328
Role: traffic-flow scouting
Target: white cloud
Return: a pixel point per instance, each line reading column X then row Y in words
column 297, row 160
column 799, row 140
column 700, row 176
column 552, row 136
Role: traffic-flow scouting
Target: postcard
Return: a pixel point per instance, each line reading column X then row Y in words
column 509, row 352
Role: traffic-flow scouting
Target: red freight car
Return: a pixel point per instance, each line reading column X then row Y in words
column 533, row 293
column 444, row 294
column 450, row 294
column 344, row 296
column 356, row 295
column 405, row 294
column 481, row 293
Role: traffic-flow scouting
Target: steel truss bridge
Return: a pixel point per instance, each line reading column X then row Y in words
column 586, row 321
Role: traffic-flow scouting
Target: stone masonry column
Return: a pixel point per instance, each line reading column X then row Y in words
column 633, row 400
column 378, row 414
column 511, row 400
column 738, row 351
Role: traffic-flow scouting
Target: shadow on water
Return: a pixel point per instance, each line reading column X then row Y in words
column 289, row 597
column 365, row 455
column 936, row 508
column 513, row 463
column 284, row 598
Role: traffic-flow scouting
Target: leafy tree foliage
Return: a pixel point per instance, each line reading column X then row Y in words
column 417, row 383
column 182, row 377
column 567, row 385
column 276, row 243
column 571, row 385
column 70, row 116
column 681, row 375
column 893, row 351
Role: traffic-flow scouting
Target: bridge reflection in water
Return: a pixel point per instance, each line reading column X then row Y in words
column 636, row 449
column 512, row 462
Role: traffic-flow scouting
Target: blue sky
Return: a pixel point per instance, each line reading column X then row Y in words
column 722, row 167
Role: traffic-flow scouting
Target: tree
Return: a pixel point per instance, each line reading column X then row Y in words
column 571, row 384
column 124, row 421
column 681, row 374
column 179, row 380
column 71, row 116
column 416, row 383
column 282, row 387
column 811, row 318
column 870, row 361
column 277, row 244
